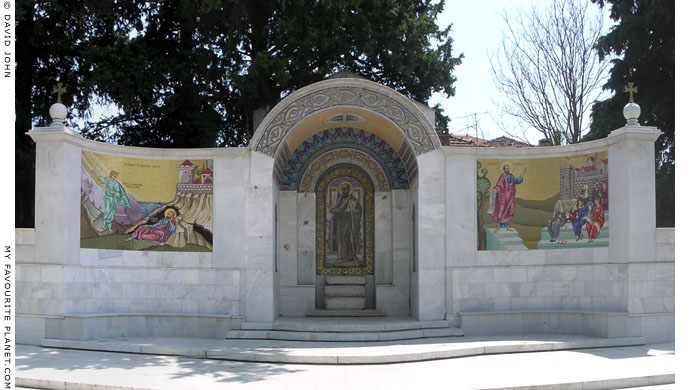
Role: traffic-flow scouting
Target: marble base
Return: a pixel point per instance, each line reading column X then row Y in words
column 98, row 326
column 345, row 303
column 345, row 313
column 346, row 280
column 588, row 323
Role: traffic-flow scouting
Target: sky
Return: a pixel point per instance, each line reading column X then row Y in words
column 477, row 31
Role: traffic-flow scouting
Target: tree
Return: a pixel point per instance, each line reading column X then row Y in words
column 643, row 41
column 191, row 73
column 52, row 38
column 548, row 69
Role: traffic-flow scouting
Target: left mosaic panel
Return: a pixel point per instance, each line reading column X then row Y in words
column 146, row 204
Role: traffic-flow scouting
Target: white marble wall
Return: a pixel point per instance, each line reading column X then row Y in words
column 306, row 239
column 601, row 287
column 56, row 290
column 414, row 249
column 287, row 237
column 260, row 295
column 431, row 236
column 57, row 198
column 239, row 279
column 394, row 299
column 231, row 176
column 632, row 194
column 634, row 275
column 383, row 238
column 56, row 278
column 461, row 220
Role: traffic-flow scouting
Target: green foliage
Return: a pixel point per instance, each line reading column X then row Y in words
column 191, row 73
column 442, row 120
column 483, row 183
column 644, row 41
column 51, row 39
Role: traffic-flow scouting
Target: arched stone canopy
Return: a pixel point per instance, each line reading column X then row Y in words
column 375, row 100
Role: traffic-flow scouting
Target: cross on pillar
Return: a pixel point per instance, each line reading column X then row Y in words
column 631, row 89
column 59, row 89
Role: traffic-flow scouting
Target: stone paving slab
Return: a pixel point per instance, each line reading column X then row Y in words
column 309, row 352
column 623, row 367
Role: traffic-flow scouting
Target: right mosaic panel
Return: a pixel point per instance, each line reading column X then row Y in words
column 545, row 203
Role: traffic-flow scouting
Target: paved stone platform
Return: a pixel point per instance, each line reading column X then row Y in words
column 275, row 351
column 596, row 368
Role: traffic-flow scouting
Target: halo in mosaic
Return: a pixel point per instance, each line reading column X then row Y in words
column 329, row 139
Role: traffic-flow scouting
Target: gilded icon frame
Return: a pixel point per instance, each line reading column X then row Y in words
column 339, row 172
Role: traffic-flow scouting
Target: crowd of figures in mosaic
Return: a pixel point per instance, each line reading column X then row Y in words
column 543, row 203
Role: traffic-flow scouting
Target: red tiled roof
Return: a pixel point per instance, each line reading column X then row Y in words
column 502, row 142
column 187, row 163
column 207, row 171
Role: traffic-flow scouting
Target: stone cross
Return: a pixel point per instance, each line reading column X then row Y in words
column 631, row 89
column 59, row 89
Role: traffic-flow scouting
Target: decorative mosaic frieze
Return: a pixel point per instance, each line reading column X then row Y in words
column 392, row 164
column 340, row 156
column 303, row 107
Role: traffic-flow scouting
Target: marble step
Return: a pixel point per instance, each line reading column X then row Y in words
column 344, row 291
column 331, row 325
column 345, row 303
column 337, row 279
column 343, row 336
column 345, row 313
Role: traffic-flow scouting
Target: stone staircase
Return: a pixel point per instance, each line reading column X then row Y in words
column 345, row 296
column 344, row 292
column 344, row 329
column 505, row 239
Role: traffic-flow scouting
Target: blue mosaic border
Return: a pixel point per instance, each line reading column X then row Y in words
column 327, row 139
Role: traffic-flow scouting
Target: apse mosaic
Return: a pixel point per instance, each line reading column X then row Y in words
column 345, row 223
column 545, row 203
column 146, row 204
column 381, row 151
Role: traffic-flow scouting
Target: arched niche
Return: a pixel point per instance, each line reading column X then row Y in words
column 372, row 128
column 393, row 116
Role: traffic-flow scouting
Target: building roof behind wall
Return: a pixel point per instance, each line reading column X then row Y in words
column 469, row 141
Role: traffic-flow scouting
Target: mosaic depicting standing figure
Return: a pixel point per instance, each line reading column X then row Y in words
column 605, row 195
column 347, row 217
column 114, row 194
column 160, row 231
column 597, row 219
column 505, row 196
